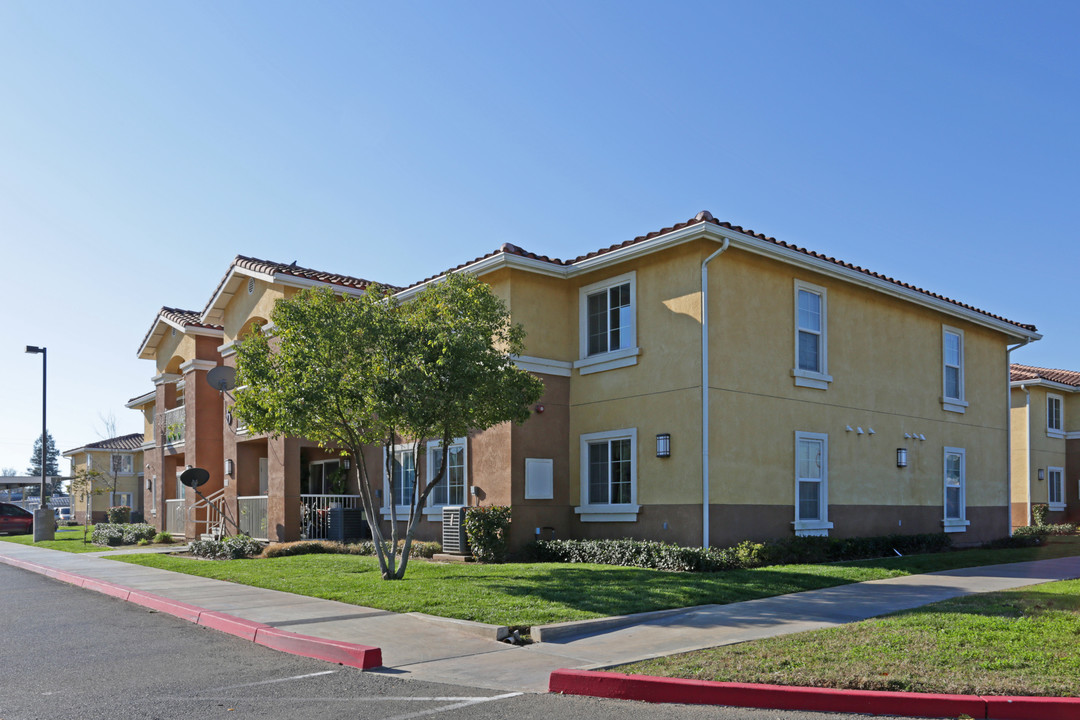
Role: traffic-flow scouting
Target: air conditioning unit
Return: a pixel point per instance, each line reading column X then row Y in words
column 454, row 541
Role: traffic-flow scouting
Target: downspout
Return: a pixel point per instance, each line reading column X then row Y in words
column 1008, row 433
column 705, row 393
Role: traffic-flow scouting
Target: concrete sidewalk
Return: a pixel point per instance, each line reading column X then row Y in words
column 449, row 651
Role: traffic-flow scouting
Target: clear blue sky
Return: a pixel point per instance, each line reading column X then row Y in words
column 143, row 145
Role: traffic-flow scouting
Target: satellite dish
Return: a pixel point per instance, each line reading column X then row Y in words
column 222, row 378
column 194, row 477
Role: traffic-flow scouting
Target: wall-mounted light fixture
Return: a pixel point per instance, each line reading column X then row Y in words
column 663, row 445
column 230, row 467
column 901, row 457
column 346, row 463
column 1042, row 474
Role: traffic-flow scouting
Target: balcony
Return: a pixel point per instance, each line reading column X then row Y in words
column 172, row 427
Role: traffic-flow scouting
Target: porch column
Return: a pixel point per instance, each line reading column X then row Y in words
column 283, row 503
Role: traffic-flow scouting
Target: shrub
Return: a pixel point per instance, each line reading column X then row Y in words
column 1016, row 541
column 144, row 541
column 798, row 550
column 1041, row 531
column 1038, row 513
column 107, row 534
column 121, row 534
column 230, row 548
column 164, row 538
column 119, row 515
column 487, row 529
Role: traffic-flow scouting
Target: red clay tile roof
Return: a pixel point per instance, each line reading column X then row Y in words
column 183, row 318
column 270, row 267
column 124, row 442
column 706, row 217
column 1019, row 373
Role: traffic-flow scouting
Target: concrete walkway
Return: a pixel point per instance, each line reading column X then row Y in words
column 440, row 650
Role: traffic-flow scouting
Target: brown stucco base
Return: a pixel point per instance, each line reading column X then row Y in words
column 730, row 524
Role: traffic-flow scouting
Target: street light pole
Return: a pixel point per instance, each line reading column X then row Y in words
column 44, row 528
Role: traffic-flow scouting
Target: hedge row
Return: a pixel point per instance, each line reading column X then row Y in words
column 1041, row 531
column 312, row 547
column 797, row 550
column 230, row 548
column 122, row 533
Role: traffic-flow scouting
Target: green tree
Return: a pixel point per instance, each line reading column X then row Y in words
column 51, row 455
column 86, row 485
column 349, row 373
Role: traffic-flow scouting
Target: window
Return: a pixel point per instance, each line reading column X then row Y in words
column 812, row 484
column 325, row 477
column 952, row 351
column 1055, row 422
column 451, row 489
column 608, row 334
column 122, row 464
column 1055, row 487
column 402, row 480
column 955, row 500
column 120, row 498
column 811, row 348
column 609, row 476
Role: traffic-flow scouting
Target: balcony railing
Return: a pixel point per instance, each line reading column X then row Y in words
column 315, row 513
column 172, row 426
column 251, row 514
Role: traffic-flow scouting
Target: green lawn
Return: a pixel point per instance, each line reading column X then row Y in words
column 68, row 539
column 1021, row 642
column 519, row 594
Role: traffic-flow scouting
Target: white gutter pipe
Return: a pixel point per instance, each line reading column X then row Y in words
column 1008, row 430
column 705, row 393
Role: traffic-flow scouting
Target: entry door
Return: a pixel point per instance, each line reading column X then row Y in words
column 264, row 476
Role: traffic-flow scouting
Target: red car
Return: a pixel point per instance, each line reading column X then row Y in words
column 15, row 521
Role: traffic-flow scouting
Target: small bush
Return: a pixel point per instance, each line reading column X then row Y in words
column 1016, row 541
column 119, row 515
column 144, row 541
column 121, row 534
column 487, row 529
column 69, row 523
column 230, row 548
column 1038, row 514
column 1041, row 531
column 164, row 538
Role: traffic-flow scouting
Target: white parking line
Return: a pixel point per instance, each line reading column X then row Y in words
column 270, row 682
column 467, row 702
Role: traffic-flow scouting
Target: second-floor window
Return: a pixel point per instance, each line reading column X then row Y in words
column 952, row 369
column 811, row 337
column 609, row 316
column 122, row 464
column 1055, row 420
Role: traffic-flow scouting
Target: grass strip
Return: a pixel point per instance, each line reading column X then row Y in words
column 67, row 540
column 526, row 594
column 1019, row 642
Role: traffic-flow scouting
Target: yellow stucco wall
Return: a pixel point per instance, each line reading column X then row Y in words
column 1045, row 451
column 1019, row 448
column 171, row 346
column 884, row 355
column 102, row 463
column 243, row 306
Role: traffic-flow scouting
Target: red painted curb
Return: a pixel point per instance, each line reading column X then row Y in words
column 173, row 607
column 351, row 654
column 779, row 697
column 107, row 588
column 67, row 577
column 1032, row 708
column 231, row 624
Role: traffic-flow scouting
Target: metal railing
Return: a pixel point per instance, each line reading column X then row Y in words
column 207, row 514
column 315, row 513
column 172, row 426
column 175, row 517
column 252, row 514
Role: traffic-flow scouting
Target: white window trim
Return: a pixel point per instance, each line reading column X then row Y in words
column 113, row 503
column 402, row 511
column 1061, row 474
column 949, row 404
column 123, row 473
column 817, row 527
column 434, row 512
column 623, row 357
column 808, row 378
column 618, row 512
column 1055, row 432
column 954, row 524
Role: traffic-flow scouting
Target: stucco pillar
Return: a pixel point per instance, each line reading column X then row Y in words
column 283, row 504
